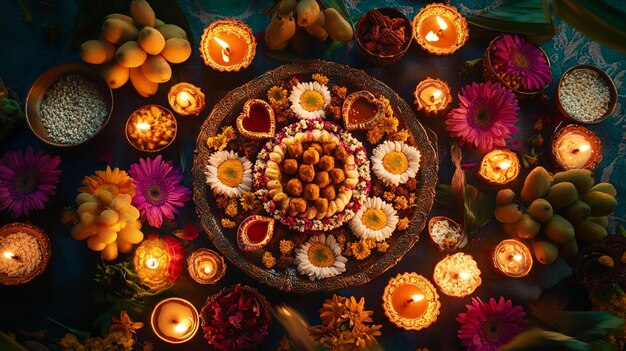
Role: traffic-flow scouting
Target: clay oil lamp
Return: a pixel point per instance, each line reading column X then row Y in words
column 255, row 232
column 440, row 29
column 257, row 120
column 576, row 147
column 411, row 302
column 361, row 110
column 227, row 45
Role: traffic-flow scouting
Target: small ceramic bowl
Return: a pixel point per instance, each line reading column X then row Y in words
column 612, row 94
column 44, row 244
column 381, row 59
column 41, row 86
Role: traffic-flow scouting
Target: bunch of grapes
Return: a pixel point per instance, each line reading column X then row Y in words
column 109, row 223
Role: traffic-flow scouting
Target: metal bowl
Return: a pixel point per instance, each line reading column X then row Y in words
column 44, row 244
column 380, row 59
column 41, row 86
column 612, row 92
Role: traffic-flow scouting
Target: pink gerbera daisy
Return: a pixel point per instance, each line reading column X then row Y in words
column 486, row 115
column 27, row 180
column 518, row 57
column 487, row 326
column 160, row 191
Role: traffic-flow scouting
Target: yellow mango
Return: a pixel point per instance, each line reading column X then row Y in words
column 337, row 27
column 536, row 185
column 142, row 85
column 581, row 178
column 606, row 188
column 151, row 40
column 545, row 251
column 142, row 13
column 115, row 74
column 156, row 69
column 96, row 51
column 559, row 229
column 562, row 195
column 130, row 55
column 505, row 197
column 176, row 50
column 589, row 232
column 117, row 31
column 508, row 214
column 119, row 16
column 279, row 31
column 306, row 12
column 602, row 204
column 170, row 31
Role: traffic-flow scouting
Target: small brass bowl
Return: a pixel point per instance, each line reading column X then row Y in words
column 41, row 86
column 128, row 129
column 381, row 59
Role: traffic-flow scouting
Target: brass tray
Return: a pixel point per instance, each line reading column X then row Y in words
column 357, row 272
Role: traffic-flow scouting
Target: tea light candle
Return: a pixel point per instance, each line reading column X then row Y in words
column 151, row 128
column 227, row 45
column 432, row 95
column 576, row 147
column 24, row 253
column 410, row 301
column 457, row 275
column 174, row 320
column 206, row 266
column 186, row 99
column 440, row 29
column 151, row 262
column 512, row 258
column 499, row 166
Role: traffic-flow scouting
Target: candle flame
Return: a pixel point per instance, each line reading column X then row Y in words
column 152, row 263
column 225, row 49
column 181, row 327
column 517, row 257
column 207, row 269
column 442, row 24
column 504, row 165
column 184, row 96
column 464, row 275
column 585, row 147
column 416, row 298
column 143, row 126
column 9, row 254
column 436, row 95
column 431, row 36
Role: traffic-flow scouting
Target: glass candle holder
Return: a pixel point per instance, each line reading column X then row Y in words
column 499, row 167
column 576, row 147
column 432, row 96
column 440, row 29
column 227, row 45
column 457, row 275
column 206, row 266
column 411, row 302
column 175, row 320
column 186, row 99
column 512, row 258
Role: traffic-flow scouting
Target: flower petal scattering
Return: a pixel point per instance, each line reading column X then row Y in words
column 114, row 181
column 375, row 220
column 27, row 180
column 320, row 257
column 485, row 117
column 159, row 187
column 522, row 60
column 488, row 325
column 309, row 99
column 229, row 174
column 395, row 162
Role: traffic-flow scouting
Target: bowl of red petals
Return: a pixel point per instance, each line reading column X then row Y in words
column 235, row 318
column 384, row 35
column 516, row 63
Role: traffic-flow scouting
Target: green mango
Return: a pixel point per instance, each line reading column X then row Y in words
column 540, row 210
column 536, row 185
column 606, row 188
column 589, row 232
column 337, row 27
column 508, row 214
column 527, row 227
column 581, row 178
column 569, row 250
column 559, row 229
column 509, row 229
column 602, row 204
column 562, row 195
column 505, row 197
column 545, row 251
column 602, row 220
column 307, row 12
column 577, row 211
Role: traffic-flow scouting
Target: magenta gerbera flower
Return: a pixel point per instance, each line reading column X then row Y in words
column 486, row 115
column 160, row 191
column 487, row 326
column 27, row 180
column 520, row 59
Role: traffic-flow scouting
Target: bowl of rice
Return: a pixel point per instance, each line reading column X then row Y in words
column 25, row 253
column 68, row 104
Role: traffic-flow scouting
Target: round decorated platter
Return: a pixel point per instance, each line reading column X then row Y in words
column 314, row 177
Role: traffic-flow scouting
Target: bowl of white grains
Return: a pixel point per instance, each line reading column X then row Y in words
column 68, row 104
column 586, row 94
column 24, row 253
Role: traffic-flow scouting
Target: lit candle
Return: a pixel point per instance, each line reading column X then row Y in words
column 512, row 258
column 151, row 128
column 227, row 45
column 499, row 166
column 175, row 320
column 411, row 301
column 440, row 29
column 152, row 262
column 457, row 275
column 576, row 147
column 9, row 255
column 432, row 96
column 186, row 99
column 206, row 266
column 24, row 253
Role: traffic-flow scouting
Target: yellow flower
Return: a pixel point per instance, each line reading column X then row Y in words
column 220, row 141
column 268, row 259
column 401, row 135
column 389, row 196
column 320, row 78
column 277, row 96
column 400, row 203
column 374, row 135
column 395, row 162
column 125, row 325
column 115, row 181
column 231, row 210
column 371, row 243
column 248, row 200
column 341, row 238
column 229, row 133
column 230, row 172
column 382, row 246
column 286, row 246
column 412, row 200
column 360, row 250
column 341, row 92
column 374, row 219
column 388, row 125
column 227, row 223
column 403, row 223
column 70, row 342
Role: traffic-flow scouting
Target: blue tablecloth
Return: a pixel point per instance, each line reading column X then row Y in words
column 64, row 291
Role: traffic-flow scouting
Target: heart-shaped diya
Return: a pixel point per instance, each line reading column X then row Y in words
column 257, row 120
column 255, row 232
column 362, row 110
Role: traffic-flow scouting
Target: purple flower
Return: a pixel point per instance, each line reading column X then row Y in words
column 487, row 326
column 518, row 57
column 160, row 191
column 27, row 180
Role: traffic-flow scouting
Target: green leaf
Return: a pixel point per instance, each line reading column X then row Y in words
column 596, row 19
column 444, row 199
column 91, row 12
column 79, row 333
column 587, row 325
column 334, row 45
column 479, row 208
column 538, row 339
column 621, row 230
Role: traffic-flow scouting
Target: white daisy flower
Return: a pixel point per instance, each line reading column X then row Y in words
column 375, row 220
column 320, row 257
column 395, row 162
column 309, row 99
column 229, row 174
